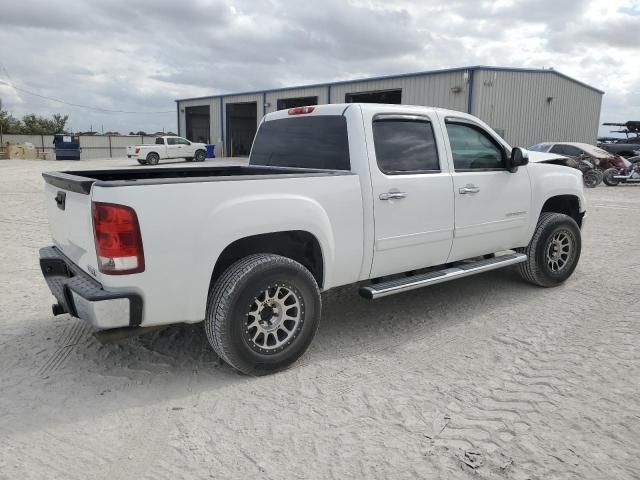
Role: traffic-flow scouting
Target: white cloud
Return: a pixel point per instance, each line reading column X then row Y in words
column 141, row 56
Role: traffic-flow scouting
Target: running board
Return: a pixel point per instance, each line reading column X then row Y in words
column 400, row 285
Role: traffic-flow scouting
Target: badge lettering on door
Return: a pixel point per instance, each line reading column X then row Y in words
column 515, row 214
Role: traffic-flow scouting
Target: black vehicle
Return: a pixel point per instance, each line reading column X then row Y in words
column 627, row 147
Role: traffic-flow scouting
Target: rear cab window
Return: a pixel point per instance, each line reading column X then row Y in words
column 405, row 145
column 314, row 142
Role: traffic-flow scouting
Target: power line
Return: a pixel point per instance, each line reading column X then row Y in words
column 78, row 105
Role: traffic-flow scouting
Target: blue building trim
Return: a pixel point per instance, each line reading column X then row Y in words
column 470, row 91
column 400, row 76
column 328, row 93
column 223, row 152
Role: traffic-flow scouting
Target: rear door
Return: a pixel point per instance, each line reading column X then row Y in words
column 491, row 204
column 412, row 194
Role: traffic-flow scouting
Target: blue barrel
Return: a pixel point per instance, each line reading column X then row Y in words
column 211, row 151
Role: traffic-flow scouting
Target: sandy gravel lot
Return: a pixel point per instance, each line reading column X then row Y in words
column 486, row 377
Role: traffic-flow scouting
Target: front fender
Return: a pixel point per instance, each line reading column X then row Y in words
column 549, row 180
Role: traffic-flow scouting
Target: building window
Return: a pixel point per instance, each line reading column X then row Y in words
column 286, row 103
column 379, row 96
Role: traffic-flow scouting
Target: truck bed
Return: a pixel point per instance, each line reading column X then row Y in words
column 80, row 181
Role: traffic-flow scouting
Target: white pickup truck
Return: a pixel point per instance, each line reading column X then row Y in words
column 167, row 148
column 391, row 197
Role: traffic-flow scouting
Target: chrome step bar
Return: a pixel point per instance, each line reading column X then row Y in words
column 405, row 284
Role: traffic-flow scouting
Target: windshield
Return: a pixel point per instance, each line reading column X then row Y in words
column 318, row 142
column 540, row 147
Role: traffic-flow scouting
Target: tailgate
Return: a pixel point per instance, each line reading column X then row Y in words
column 68, row 205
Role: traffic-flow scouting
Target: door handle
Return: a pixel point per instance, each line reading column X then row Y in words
column 469, row 189
column 392, row 195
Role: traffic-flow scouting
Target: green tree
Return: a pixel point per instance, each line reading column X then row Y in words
column 36, row 125
column 8, row 123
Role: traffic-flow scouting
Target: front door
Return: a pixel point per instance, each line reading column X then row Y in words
column 491, row 204
column 412, row 195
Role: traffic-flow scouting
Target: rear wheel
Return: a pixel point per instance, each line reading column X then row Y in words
column 554, row 250
column 153, row 158
column 200, row 155
column 263, row 313
column 609, row 177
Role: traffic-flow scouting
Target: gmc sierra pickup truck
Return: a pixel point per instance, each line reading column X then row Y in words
column 391, row 197
column 167, row 148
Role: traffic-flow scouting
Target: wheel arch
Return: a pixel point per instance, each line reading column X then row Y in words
column 299, row 245
column 566, row 204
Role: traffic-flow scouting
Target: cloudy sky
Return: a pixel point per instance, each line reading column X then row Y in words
column 138, row 56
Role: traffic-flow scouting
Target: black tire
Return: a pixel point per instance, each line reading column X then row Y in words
column 600, row 174
column 537, row 268
column 142, row 161
column 200, row 155
column 232, row 298
column 591, row 179
column 608, row 177
column 153, row 158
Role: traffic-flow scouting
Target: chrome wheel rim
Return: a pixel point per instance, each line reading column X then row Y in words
column 559, row 250
column 274, row 319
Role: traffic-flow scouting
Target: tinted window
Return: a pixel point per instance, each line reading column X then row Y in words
column 182, row 141
column 303, row 142
column 539, row 147
column 159, row 141
column 171, row 141
column 567, row 150
column 473, row 149
column 405, row 146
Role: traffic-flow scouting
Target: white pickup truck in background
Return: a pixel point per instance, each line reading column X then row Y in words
column 165, row 148
column 388, row 196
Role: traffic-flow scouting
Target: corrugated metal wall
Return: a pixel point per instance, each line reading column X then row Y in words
column 513, row 102
column 518, row 104
column 273, row 97
column 436, row 90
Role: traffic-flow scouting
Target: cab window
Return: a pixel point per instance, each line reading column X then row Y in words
column 474, row 149
column 405, row 146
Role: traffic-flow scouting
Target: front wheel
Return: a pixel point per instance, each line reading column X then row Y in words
column 591, row 179
column 554, row 250
column 609, row 177
column 263, row 313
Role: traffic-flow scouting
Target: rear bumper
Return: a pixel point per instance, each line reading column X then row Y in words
column 82, row 296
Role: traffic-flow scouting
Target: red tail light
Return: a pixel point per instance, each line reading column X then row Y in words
column 137, row 150
column 301, row 110
column 118, row 239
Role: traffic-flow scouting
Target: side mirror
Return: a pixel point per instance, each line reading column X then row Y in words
column 519, row 158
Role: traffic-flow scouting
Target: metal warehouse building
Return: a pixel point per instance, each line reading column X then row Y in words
column 525, row 106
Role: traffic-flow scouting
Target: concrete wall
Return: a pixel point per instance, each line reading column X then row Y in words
column 92, row 146
column 518, row 104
